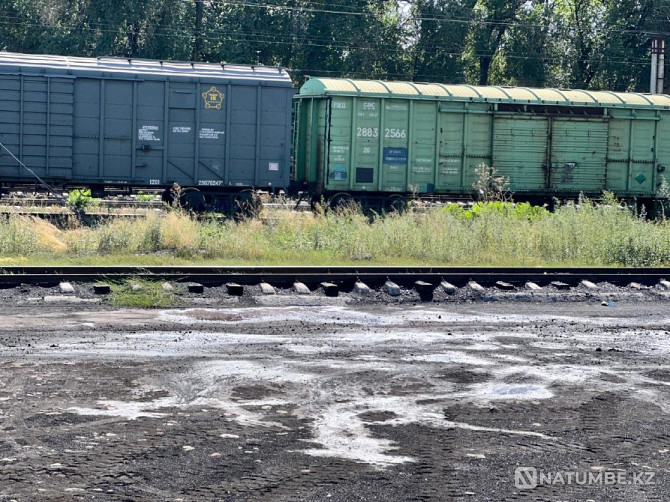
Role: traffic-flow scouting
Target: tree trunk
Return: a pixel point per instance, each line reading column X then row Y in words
column 198, row 45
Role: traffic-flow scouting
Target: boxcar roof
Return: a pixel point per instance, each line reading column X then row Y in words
column 127, row 67
column 495, row 94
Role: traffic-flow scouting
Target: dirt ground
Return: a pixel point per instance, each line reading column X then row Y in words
column 327, row 400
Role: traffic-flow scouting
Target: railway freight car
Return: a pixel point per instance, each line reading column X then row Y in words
column 380, row 141
column 216, row 130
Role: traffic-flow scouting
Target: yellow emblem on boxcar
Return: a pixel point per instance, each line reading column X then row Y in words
column 213, row 98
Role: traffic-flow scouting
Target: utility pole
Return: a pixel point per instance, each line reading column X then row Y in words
column 657, row 64
column 198, row 45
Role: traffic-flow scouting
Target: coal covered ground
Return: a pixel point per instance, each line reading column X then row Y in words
column 288, row 398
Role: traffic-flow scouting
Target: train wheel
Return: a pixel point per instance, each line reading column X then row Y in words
column 248, row 204
column 341, row 202
column 395, row 204
column 192, row 199
column 167, row 197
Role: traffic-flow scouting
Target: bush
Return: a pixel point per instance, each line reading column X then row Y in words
column 80, row 198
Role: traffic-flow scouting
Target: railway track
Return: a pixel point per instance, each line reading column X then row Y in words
column 38, row 206
column 47, row 202
column 344, row 278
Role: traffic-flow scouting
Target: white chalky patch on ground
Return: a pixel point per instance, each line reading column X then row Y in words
column 158, row 344
column 510, row 358
column 197, row 337
column 452, row 357
column 333, row 392
column 494, row 391
column 264, row 315
column 133, row 410
column 342, row 433
column 128, row 410
column 309, row 349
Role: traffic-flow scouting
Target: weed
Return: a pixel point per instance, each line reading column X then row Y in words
column 144, row 197
column 141, row 294
column 490, row 185
column 80, row 198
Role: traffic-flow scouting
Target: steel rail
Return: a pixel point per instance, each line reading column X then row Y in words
column 51, row 202
column 344, row 276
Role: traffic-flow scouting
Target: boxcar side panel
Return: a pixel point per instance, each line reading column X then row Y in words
column 394, row 149
column 578, row 155
column 36, row 126
column 450, row 146
column 117, row 127
column 366, row 135
column 631, row 166
column 86, row 129
column 182, row 133
column 243, row 102
column 275, row 135
column 618, row 151
column 303, row 144
column 422, row 134
column 150, row 132
column 207, row 135
column 520, row 151
column 11, row 105
column 478, row 146
column 310, row 149
column 60, row 120
column 337, row 118
column 642, row 172
column 663, row 149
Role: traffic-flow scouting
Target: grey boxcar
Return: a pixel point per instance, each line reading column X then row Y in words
column 125, row 122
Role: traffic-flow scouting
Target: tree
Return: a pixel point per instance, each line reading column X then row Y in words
column 440, row 28
column 492, row 20
column 525, row 48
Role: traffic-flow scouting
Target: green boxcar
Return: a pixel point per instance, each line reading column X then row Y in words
column 374, row 139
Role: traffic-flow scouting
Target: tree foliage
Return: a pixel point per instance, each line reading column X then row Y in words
column 565, row 43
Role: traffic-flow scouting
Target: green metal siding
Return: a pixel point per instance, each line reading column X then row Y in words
column 366, row 136
column 339, row 142
column 520, row 151
column 452, row 127
column 421, row 135
column 663, row 148
column 632, row 155
column 578, row 155
column 464, row 144
column 310, row 134
column 617, row 154
column 394, row 146
column 478, row 146
column 643, row 167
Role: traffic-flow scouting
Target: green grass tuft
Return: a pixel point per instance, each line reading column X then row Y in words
column 146, row 294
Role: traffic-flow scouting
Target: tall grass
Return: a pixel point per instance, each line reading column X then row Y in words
column 488, row 234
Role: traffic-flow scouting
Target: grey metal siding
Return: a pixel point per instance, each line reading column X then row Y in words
column 242, row 165
column 36, row 125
